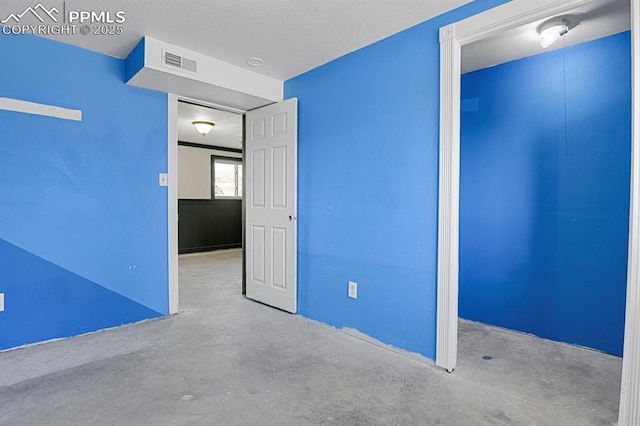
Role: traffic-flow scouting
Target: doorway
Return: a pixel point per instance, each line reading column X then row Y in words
column 544, row 180
column 266, row 195
column 453, row 37
column 209, row 178
column 207, row 154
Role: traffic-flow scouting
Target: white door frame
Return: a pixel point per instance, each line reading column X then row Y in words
column 452, row 37
column 172, row 191
column 172, row 199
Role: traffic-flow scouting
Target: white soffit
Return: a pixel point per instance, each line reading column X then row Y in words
column 207, row 79
column 291, row 36
column 595, row 19
column 227, row 131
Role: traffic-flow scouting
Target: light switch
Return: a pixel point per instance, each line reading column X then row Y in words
column 1, row 302
column 163, row 179
column 353, row 290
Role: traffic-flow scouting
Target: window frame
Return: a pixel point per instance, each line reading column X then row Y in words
column 227, row 160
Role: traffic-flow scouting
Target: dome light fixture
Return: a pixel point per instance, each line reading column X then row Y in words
column 203, row 127
column 552, row 30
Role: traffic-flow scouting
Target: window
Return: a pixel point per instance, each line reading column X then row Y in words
column 227, row 177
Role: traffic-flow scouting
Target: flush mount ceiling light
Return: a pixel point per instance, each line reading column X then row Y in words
column 203, row 127
column 552, row 30
column 255, row 62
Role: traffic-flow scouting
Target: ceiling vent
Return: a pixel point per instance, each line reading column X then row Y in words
column 171, row 60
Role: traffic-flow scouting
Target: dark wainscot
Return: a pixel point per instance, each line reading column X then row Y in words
column 205, row 225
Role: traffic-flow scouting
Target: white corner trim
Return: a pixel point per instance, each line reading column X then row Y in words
column 629, row 413
column 172, row 200
column 448, row 205
column 17, row 105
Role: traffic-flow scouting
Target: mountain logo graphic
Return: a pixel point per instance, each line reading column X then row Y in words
column 38, row 11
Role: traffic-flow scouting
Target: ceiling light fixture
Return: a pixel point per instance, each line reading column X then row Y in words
column 203, row 127
column 255, row 62
column 552, row 30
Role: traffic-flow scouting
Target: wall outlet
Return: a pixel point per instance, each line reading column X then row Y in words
column 1, row 302
column 353, row 290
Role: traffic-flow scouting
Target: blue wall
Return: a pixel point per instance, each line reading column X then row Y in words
column 367, row 186
column 544, row 206
column 83, row 240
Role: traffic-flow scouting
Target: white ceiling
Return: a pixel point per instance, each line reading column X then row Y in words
column 594, row 20
column 292, row 36
column 227, row 131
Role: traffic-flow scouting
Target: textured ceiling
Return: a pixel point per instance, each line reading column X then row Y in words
column 227, row 131
column 292, row 36
column 594, row 20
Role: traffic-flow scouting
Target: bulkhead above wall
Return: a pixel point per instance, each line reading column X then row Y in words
column 156, row 65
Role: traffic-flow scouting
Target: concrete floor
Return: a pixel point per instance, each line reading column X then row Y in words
column 225, row 360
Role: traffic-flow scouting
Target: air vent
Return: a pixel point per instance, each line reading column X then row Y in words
column 173, row 60
column 177, row 61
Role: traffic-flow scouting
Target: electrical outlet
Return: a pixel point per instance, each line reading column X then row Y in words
column 1, row 302
column 353, row 290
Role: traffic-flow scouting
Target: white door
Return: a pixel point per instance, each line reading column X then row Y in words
column 271, row 175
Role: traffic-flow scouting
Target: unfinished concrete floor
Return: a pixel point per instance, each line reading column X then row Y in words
column 225, row 360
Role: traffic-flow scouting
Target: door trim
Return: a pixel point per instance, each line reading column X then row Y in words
column 244, row 205
column 172, row 199
column 629, row 412
column 452, row 38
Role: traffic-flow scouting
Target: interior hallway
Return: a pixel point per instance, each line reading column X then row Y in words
column 225, row 360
